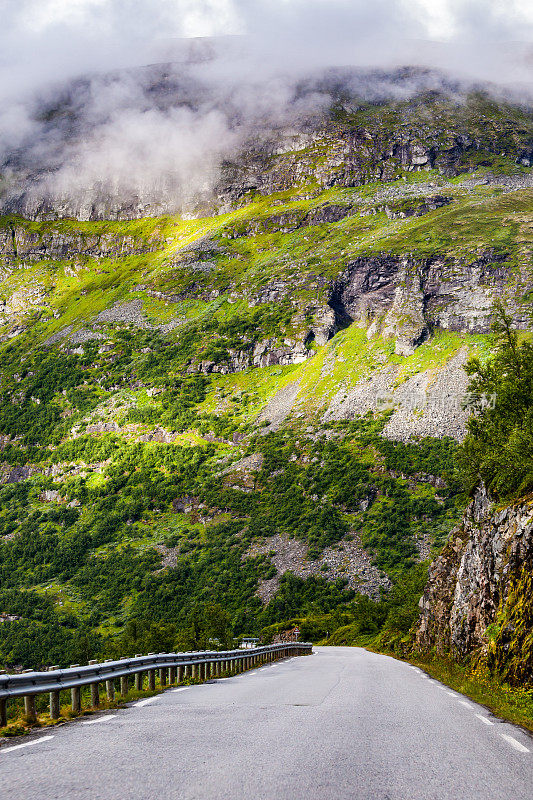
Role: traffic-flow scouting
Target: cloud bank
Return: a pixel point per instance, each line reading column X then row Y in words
column 85, row 127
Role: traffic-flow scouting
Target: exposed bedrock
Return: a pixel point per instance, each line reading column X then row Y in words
column 479, row 594
column 17, row 242
column 407, row 298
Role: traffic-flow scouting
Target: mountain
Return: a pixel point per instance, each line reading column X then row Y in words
column 248, row 396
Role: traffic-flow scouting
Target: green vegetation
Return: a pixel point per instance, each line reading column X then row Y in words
column 117, row 505
column 499, row 447
column 139, row 474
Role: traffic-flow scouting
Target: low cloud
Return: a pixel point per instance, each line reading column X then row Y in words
column 86, row 129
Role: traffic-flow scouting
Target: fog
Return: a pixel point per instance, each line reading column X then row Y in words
column 84, row 125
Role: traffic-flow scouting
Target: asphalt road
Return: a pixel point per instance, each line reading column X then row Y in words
column 342, row 723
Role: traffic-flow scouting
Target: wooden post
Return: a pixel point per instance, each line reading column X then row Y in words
column 181, row 672
column 54, row 705
column 151, row 679
column 109, row 686
column 75, row 699
column 124, row 685
column 3, row 705
column 95, row 690
column 110, row 689
column 95, row 695
column 172, row 675
column 29, row 703
column 29, row 707
column 163, row 676
column 75, row 695
column 54, row 699
column 139, row 677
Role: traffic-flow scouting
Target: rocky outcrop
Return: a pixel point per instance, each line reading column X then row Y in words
column 429, row 403
column 265, row 353
column 15, row 474
column 408, row 298
column 344, row 154
column 478, row 598
column 290, row 220
column 20, row 242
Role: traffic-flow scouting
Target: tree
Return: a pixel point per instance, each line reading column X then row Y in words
column 499, row 446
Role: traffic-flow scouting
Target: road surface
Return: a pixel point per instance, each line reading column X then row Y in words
column 340, row 724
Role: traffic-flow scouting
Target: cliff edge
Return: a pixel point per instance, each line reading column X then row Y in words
column 479, row 600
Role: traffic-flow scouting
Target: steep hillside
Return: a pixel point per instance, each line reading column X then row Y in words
column 258, row 407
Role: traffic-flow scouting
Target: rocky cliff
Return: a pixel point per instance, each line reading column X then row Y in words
column 479, row 598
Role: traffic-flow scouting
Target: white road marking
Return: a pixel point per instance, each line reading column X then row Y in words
column 465, row 704
column 146, row 701
column 26, row 744
column 178, row 690
column 514, row 743
column 100, row 719
column 452, row 694
column 486, row 720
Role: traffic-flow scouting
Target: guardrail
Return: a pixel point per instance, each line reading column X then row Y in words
column 172, row 667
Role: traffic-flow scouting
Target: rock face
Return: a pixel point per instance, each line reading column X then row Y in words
column 478, row 598
column 350, row 154
column 16, row 241
column 409, row 298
